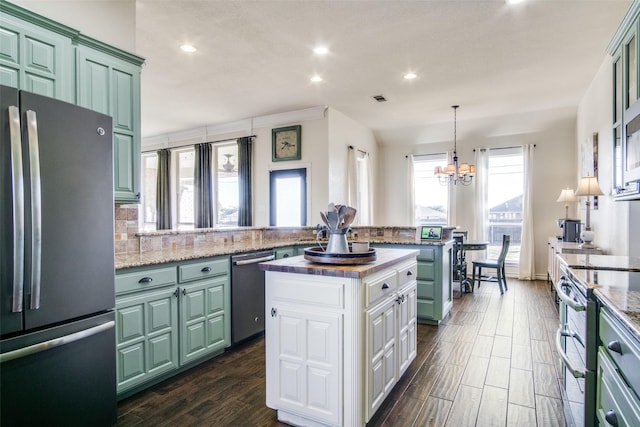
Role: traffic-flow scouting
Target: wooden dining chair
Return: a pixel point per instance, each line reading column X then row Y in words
column 497, row 264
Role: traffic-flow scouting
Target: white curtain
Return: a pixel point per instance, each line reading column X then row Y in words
column 527, row 245
column 412, row 190
column 480, row 212
column 352, row 178
column 359, row 185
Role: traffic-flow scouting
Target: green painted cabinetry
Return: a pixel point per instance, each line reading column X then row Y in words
column 42, row 56
column 108, row 81
column 146, row 325
column 435, row 280
column 169, row 317
column 205, row 321
column 36, row 54
column 286, row 252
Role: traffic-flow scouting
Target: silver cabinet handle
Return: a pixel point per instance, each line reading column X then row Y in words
column 565, row 359
column 36, row 208
column 57, row 342
column 17, row 181
column 567, row 299
column 255, row 260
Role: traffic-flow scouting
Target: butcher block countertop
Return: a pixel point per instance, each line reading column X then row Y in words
column 384, row 258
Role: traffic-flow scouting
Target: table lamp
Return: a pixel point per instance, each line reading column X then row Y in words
column 567, row 196
column 588, row 186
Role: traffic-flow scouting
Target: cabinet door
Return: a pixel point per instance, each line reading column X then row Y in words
column 112, row 86
column 407, row 332
column 146, row 336
column 35, row 59
column 304, row 354
column 203, row 318
column 381, row 353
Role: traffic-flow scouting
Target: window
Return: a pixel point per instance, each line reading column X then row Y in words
column 504, row 200
column 431, row 198
column 288, row 204
column 225, row 185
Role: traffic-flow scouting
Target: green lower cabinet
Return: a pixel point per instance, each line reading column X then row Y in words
column 169, row 317
column 146, row 336
column 203, row 319
column 435, row 280
column 286, row 252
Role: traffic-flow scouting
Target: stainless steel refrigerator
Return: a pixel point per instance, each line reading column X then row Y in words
column 57, row 297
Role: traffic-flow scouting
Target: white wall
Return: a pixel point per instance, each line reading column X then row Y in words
column 112, row 22
column 343, row 132
column 611, row 222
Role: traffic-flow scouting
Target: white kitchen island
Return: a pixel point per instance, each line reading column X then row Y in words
column 338, row 337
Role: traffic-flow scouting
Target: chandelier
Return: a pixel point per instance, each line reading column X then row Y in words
column 455, row 173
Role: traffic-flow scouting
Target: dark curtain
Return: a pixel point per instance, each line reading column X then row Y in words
column 203, row 186
column 163, row 192
column 244, row 182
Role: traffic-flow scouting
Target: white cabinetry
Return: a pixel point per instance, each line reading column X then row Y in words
column 336, row 346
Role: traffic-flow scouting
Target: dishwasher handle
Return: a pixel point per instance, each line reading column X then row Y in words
column 255, row 260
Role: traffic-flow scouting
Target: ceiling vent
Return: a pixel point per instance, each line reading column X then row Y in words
column 379, row 98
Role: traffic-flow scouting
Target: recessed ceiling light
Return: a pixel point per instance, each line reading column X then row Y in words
column 410, row 76
column 514, row 1
column 321, row 50
column 316, row 79
column 188, row 48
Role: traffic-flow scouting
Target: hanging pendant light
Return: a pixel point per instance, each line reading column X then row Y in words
column 455, row 173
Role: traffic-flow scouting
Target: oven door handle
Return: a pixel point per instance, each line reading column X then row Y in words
column 565, row 359
column 566, row 298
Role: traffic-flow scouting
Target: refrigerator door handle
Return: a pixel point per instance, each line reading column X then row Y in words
column 17, row 181
column 36, row 208
column 57, row 342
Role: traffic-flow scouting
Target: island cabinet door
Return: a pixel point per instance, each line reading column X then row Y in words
column 381, row 353
column 407, row 332
column 304, row 351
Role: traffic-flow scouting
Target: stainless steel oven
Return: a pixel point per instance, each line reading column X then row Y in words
column 577, row 349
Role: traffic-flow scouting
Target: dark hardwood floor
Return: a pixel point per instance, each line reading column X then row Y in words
column 491, row 362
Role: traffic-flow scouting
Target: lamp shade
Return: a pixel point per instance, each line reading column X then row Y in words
column 588, row 186
column 567, row 195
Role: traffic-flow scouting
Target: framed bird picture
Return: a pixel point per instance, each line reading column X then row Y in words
column 286, row 143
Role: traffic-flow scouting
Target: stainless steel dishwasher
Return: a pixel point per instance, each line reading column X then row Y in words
column 247, row 294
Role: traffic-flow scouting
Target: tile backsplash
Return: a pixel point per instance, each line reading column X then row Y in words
column 130, row 239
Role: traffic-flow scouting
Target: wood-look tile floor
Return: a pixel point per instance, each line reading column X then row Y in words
column 491, row 362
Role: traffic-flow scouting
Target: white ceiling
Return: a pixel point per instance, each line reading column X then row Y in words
column 510, row 68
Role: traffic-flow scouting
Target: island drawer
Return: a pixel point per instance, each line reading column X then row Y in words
column 142, row 279
column 380, row 285
column 202, row 269
column 623, row 349
column 407, row 272
column 616, row 404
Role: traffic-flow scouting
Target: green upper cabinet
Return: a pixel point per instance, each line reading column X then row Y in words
column 48, row 58
column 36, row 55
column 109, row 81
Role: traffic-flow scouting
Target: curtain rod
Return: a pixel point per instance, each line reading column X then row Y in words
column 206, row 142
column 351, row 147
column 502, row 148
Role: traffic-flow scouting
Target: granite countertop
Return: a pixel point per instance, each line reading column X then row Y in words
column 384, row 258
column 600, row 262
column 619, row 291
column 131, row 260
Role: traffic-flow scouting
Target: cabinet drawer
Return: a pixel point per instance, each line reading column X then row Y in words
column 427, row 254
column 145, row 279
column 425, row 309
column 407, row 273
column 426, row 271
column 621, row 347
column 615, row 401
column 426, row 289
column 203, row 269
column 380, row 285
